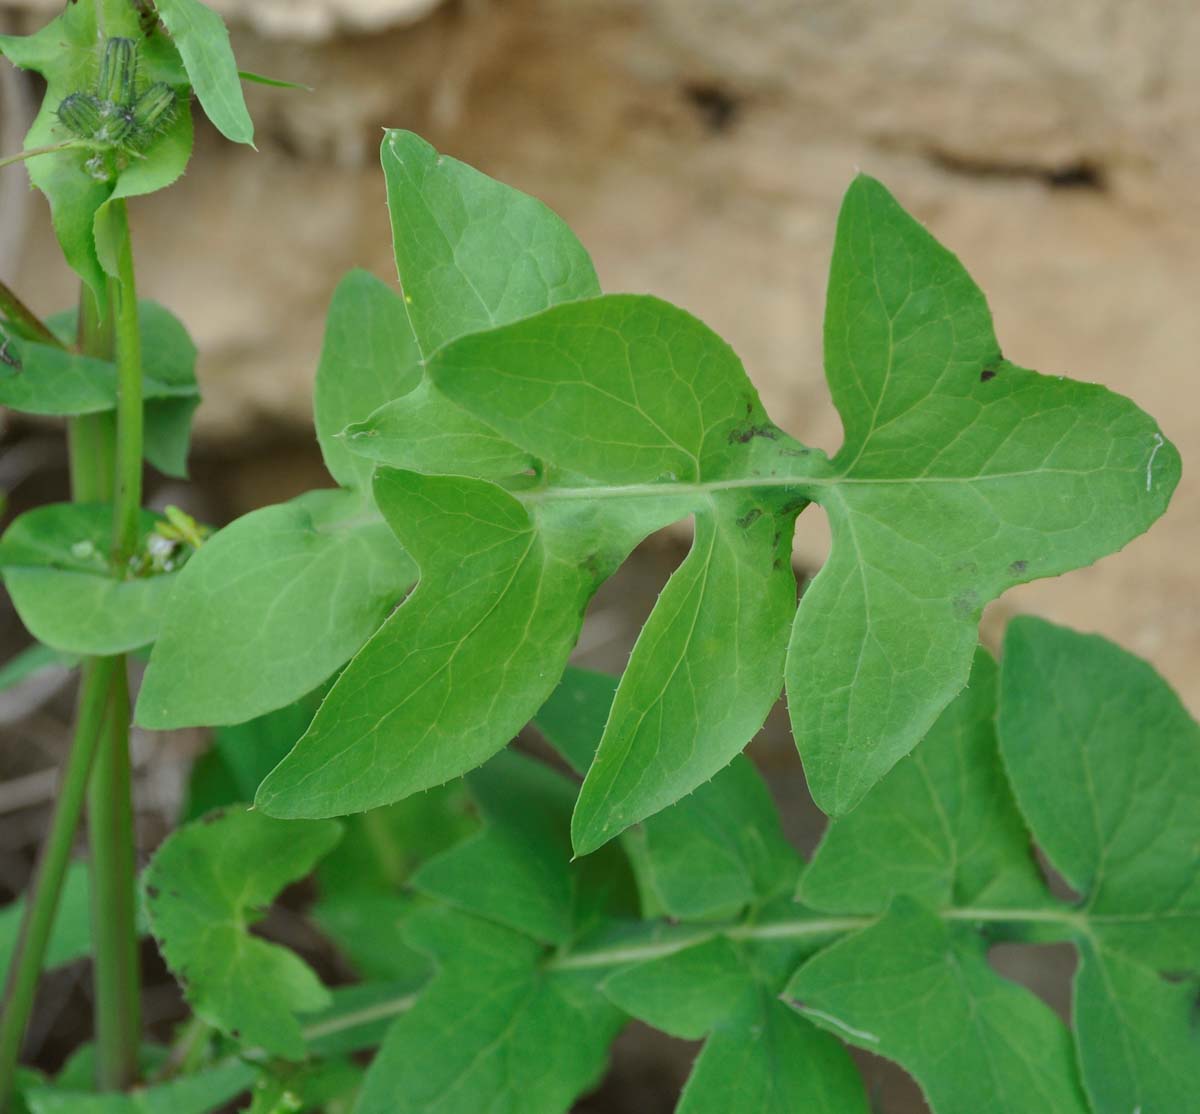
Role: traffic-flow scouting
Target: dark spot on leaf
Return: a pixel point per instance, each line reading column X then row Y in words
column 174, row 893
column 236, row 1034
column 745, row 434
column 152, row 892
column 966, row 603
column 795, row 452
column 749, row 518
column 793, row 507
column 1018, row 567
column 777, row 564
column 717, row 107
column 986, row 374
column 213, row 817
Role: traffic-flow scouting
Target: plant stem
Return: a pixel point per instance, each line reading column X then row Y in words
column 92, row 438
column 114, row 897
column 110, row 803
column 42, row 901
column 1066, row 920
column 19, row 313
column 33, row 152
column 130, row 416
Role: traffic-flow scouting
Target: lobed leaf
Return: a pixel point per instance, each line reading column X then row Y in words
column 204, row 888
column 920, row 991
column 960, row 476
column 242, row 636
column 369, row 357
column 760, row 1056
column 712, row 853
column 495, row 1030
column 55, row 564
column 451, row 676
column 1105, row 762
column 473, row 253
column 514, row 871
column 942, row 827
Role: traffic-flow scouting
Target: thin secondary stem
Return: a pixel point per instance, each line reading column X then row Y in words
column 802, row 928
column 49, row 149
column 43, row 897
column 20, row 314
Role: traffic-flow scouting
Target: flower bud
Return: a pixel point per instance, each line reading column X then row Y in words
column 81, row 114
column 118, row 72
column 154, row 109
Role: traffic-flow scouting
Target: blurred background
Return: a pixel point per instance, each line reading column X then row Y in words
column 699, row 148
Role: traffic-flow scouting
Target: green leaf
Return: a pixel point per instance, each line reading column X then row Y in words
column 203, row 42
column 686, row 993
column 55, row 565
column 64, row 53
column 425, row 432
column 496, row 1030
column 204, row 888
column 631, row 392
column 361, row 907
column 1112, row 804
column 53, row 380
column 761, row 1056
column 960, row 476
column 1113, row 801
column 920, row 992
column 473, row 253
column 515, row 870
column 469, row 657
column 985, row 475
column 243, row 636
column 370, row 357
column 941, row 827
column 274, row 82
column 71, row 938
column 1138, row 1040
column 200, row 1093
column 206, row 1090
column 772, row 1062
column 710, row 854
column 242, row 755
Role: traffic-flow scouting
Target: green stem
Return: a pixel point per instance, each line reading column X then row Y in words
column 1065, row 922
column 42, row 901
column 110, row 800
column 130, row 416
column 92, row 438
column 21, row 315
column 114, row 898
column 33, row 152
